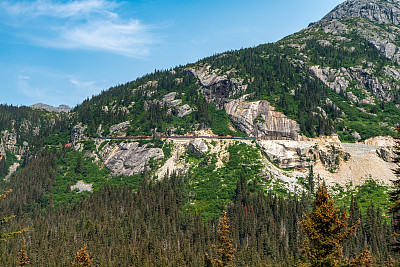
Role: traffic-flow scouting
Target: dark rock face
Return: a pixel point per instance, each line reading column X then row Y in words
column 217, row 87
column 77, row 133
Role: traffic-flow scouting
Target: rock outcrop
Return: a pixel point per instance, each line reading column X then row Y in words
column 174, row 105
column 384, row 148
column 78, row 133
column 299, row 154
column 217, row 87
column 120, row 127
column 60, row 108
column 289, row 154
column 382, row 12
column 369, row 13
column 259, row 119
column 182, row 111
column 82, row 186
column 128, row 158
column 198, row 146
column 9, row 138
column 339, row 80
column 2, row 148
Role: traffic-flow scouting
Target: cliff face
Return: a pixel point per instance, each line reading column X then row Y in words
column 128, row 158
column 216, row 86
column 259, row 119
column 382, row 12
column 369, row 14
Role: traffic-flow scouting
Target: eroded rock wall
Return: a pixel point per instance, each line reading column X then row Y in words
column 259, row 119
column 128, row 158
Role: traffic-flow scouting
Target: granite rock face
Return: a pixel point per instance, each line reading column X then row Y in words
column 259, row 119
column 123, row 126
column 382, row 12
column 174, row 105
column 339, row 81
column 384, row 148
column 78, row 133
column 217, row 87
column 371, row 12
column 182, row 111
column 128, row 158
column 60, row 108
column 300, row 154
column 198, row 146
column 289, row 154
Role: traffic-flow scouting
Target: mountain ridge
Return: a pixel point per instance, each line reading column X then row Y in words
column 60, row 108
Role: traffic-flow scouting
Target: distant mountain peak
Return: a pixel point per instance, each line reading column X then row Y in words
column 382, row 12
column 60, row 108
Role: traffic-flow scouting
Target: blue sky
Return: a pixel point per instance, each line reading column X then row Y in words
column 61, row 52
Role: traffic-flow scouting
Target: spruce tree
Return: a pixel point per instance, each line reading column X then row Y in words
column 326, row 230
column 23, row 256
column 82, row 258
column 225, row 248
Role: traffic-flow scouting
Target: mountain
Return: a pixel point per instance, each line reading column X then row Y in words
column 253, row 130
column 339, row 75
column 60, row 108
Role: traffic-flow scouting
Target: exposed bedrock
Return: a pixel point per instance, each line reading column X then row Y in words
column 216, row 87
column 259, row 119
column 128, row 158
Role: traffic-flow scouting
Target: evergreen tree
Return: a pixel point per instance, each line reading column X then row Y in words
column 23, row 256
column 326, row 230
column 225, row 248
column 82, row 258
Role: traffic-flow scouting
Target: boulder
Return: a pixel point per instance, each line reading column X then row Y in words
column 356, row 135
column 198, row 146
column 182, row 111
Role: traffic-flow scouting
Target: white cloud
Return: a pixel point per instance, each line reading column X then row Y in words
column 80, row 24
column 56, row 9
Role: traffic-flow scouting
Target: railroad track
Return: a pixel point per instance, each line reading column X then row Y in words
column 175, row 137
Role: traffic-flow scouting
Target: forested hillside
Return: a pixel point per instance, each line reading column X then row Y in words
column 143, row 172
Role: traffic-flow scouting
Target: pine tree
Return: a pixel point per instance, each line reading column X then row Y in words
column 364, row 259
column 225, row 248
column 23, row 256
column 326, row 230
column 82, row 258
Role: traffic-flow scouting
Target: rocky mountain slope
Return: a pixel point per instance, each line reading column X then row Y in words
column 300, row 99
